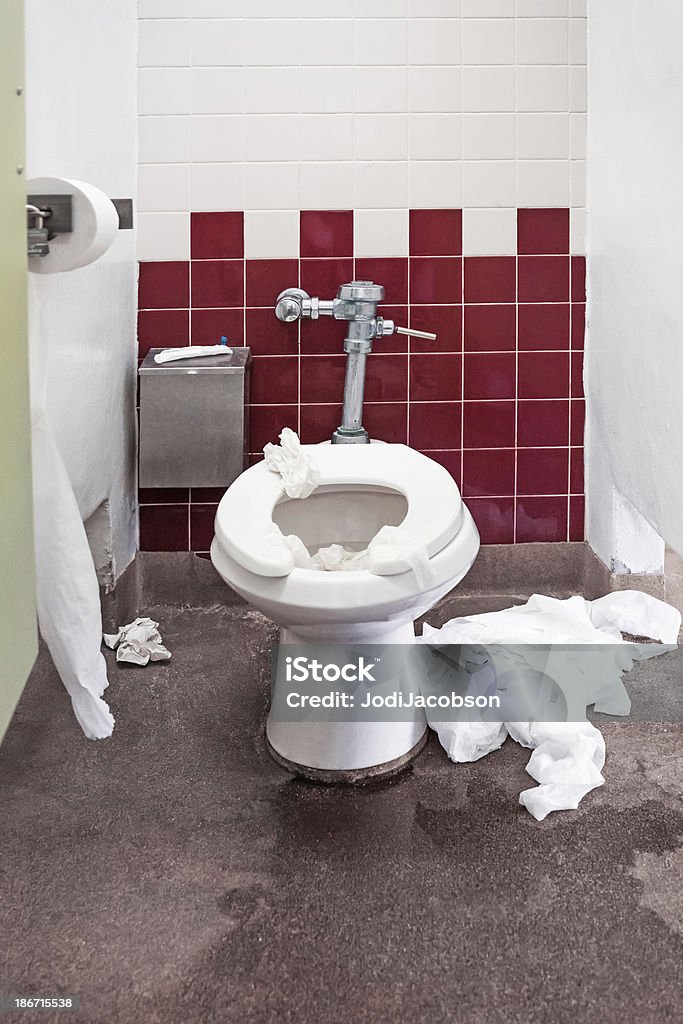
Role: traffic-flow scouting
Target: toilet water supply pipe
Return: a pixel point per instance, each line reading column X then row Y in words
column 356, row 302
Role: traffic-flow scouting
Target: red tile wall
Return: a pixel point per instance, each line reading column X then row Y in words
column 497, row 398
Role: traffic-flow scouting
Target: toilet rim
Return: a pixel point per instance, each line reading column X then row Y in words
column 245, row 529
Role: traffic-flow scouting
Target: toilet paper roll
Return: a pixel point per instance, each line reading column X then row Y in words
column 94, row 220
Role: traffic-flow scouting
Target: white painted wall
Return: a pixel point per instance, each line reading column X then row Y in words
column 81, row 123
column 634, row 358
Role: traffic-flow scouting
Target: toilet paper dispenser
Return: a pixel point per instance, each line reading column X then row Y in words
column 51, row 215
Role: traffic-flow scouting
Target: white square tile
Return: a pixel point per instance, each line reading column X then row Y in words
column 326, row 90
column 542, row 8
column 163, row 188
column 218, row 139
column 488, row 8
column 243, row 9
column 543, row 183
column 542, row 41
column 436, row 184
column 163, row 236
column 577, row 41
column 380, row 42
column 379, row 185
column 324, row 8
column 269, row 43
column 578, row 8
column 577, row 136
column 380, row 90
column 164, row 91
column 218, row 90
column 163, row 140
column 543, row 89
column 325, row 137
column 218, row 43
column 434, row 90
column 271, row 90
column 271, row 235
column 326, row 186
column 577, row 89
column 433, row 8
column 435, row 136
column 163, row 44
column 272, row 137
column 488, row 41
column 380, row 137
column 489, row 232
column 489, row 183
column 217, row 187
column 488, row 89
column 488, row 136
column 164, row 8
column 380, row 232
column 379, row 8
column 542, row 136
column 577, row 182
column 327, row 43
column 434, row 41
column 577, row 232
column 272, row 186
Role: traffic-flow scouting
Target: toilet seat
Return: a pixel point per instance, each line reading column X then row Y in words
column 244, row 521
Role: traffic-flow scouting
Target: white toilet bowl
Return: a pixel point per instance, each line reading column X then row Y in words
column 362, row 488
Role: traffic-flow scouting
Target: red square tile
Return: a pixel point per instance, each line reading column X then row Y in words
column 488, row 472
column 326, row 232
column 578, row 278
column 435, row 425
column 577, row 514
column 489, row 425
column 387, row 421
column 543, row 471
column 267, row 278
column 495, row 519
column 318, row 422
column 544, row 326
column 577, row 374
column 444, row 321
column 164, row 285
column 322, row 335
column 164, row 527
column 322, row 378
column 435, row 378
column 576, row 471
column 578, row 415
column 386, row 378
column 392, row 273
column 450, row 460
column 490, row 278
column 206, row 495
column 217, row 283
column 321, row 278
column 543, row 374
column 217, row 236
column 267, row 421
column 578, row 325
column 201, row 526
column 162, row 328
column 210, row 325
column 490, row 328
column 541, row 424
column 274, row 379
column 489, row 375
column 542, row 231
column 163, row 495
column 266, row 335
column 543, row 278
column 393, row 342
column 435, row 232
column 435, row 280
column 541, row 519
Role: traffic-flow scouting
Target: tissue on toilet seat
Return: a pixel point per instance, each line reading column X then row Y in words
column 299, row 473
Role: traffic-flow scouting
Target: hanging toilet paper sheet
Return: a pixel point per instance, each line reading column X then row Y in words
column 299, row 473
column 568, row 756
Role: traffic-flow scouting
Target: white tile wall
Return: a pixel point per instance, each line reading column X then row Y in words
column 376, row 105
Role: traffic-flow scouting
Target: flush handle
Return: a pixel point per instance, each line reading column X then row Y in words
column 385, row 327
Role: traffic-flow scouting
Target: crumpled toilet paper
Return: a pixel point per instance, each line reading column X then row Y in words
column 568, row 757
column 299, row 473
column 138, row 643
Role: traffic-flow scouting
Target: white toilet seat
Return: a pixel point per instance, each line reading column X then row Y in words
column 244, row 521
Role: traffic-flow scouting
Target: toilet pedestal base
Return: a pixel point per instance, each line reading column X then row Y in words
column 352, row 777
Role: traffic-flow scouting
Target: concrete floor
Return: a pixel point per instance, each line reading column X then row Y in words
column 175, row 873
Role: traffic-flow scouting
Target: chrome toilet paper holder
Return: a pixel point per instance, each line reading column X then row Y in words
column 51, row 215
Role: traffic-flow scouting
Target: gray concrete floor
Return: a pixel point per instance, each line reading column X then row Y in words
column 175, row 873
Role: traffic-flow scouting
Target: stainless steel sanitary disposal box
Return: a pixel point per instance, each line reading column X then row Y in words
column 194, row 420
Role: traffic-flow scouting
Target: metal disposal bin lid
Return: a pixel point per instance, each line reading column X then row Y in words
column 236, row 362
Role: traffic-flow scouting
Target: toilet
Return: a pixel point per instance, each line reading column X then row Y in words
column 362, row 488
